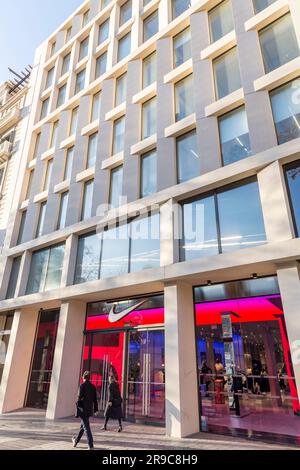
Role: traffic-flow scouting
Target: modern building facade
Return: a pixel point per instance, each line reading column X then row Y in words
column 155, row 233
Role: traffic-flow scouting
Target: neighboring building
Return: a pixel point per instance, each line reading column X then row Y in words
column 195, row 110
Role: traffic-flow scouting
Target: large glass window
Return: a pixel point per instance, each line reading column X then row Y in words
column 45, row 108
column 221, row 20
column 234, row 136
column 74, row 121
column 115, row 252
column 188, row 163
column 116, row 186
column 45, row 269
column 80, row 81
column 149, row 118
column 150, row 25
column 36, row 146
column 69, row 163
column 227, row 73
column 149, row 70
column 41, row 219
column 145, row 243
column 278, row 43
column 101, row 64
column 86, row 18
column 84, row 49
column 148, row 173
column 66, row 64
column 124, row 47
column 228, row 220
column 87, row 202
column 29, row 185
column 64, row 198
column 292, row 172
column 179, row 7
column 21, row 228
column 61, row 96
column 50, row 77
column 260, row 5
column 96, row 105
column 286, row 111
column 48, row 174
column 54, row 133
column 125, row 12
column 92, row 150
column 121, row 88
column 184, row 98
column 88, row 258
column 118, row 137
column 103, row 32
column 13, row 279
column 182, row 47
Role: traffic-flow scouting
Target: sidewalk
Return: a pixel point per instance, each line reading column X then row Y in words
column 29, row 430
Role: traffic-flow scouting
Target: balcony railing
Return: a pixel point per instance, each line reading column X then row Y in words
column 9, row 118
column 5, row 151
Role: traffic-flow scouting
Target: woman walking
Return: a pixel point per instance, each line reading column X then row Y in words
column 114, row 406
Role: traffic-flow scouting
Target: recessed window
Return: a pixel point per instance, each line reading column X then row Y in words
column 69, row 163
column 29, row 184
column 227, row 73
column 74, row 121
column 116, row 183
column 50, row 77
column 150, row 25
column 84, row 48
column 184, row 98
column 234, row 136
column 66, row 64
column 87, row 202
column 85, row 18
column 21, row 228
column 52, row 48
column 188, row 162
column 125, row 12
column 61, row 223
column 45, row 269
column 54, row 134
column 104, row 3
column 45, row 108
column 182, row 47
column 278, row 43
column 292, row 173
column 101, row 64
column 13, row 278
column 68, row 34
column 121, row 88
column 92, row 150
column 148, row 173
column 149, row 118
column 61, row 97
column 149, row 70
column 286, row 111
column 48, row 174
column 124, row 47
column 36, row 146
column 103, row 32
column 260, row 5
column 96, row 106
column 80, row 81
column 41, row 219
column 221, row 20
column 179, row 7
column 118, row 137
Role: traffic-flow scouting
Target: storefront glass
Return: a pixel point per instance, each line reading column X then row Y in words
column 246, row 378
column 6, row 321
column 126, row 339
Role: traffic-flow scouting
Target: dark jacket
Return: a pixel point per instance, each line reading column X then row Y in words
column 114, row 396
column 87, row 399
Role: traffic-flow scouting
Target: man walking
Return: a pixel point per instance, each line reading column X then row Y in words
column 87, row 405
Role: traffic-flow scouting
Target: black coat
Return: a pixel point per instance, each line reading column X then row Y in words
column 87, row 399
column 114, row 396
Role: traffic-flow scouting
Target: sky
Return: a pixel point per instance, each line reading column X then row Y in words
column 34, row 21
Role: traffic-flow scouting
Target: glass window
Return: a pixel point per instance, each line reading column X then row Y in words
column 125, row 12
column 145, row 243
column 103, row 32
column 69, row 163
column 74, row 121
column 286, row 111
column 80, row 81
column 116, row 183
column 182, row 47
column 45, row 269
column 221, row 20
column 149, row 118
column 49, row 166
column 118, row 137
column 292, row 172
column 61, row 97
column 50, row 77
column 66, row 64
column 54, row 133
column 101, row 63
column 184, row 98
column 149, row 70
column 234, row 136
column 148, row 173
column 13, row 279
column 87, row 202
column 64, row 198
column 278, row 43
column 21, row 228
column 36, row 145
column 105, row 3
column 150, row 25
column 52, row 48
column 68, row 34
column 84, row 49
column 115, row 252
column 188, row 163
column 124, row 47
column 45, row 108
column 41, row 220
column 85, row 18
column 92, row 150
column 96, row 105
column 88, row 258
column 260, row 5
column 29, row 185
column 227, row 73
column 121, row 89
column 179, row 6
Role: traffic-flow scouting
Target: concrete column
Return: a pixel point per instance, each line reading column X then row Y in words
column 67, row 361
column 182, row 407
column 18, row 359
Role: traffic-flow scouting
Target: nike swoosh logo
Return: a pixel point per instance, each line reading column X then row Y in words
column 114, row 317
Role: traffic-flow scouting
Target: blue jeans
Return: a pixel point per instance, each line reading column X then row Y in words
column 85, row 428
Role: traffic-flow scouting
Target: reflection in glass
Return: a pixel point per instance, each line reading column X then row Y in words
column 184, row 98
column 115, row 252
column 260, row 5
column 80, row 81
column 179, row 6
column 63, row 210
column 118, row 137
column 227, row 73
column 45, row 269
column 101, row 63
column 182, row 47
column 149, row 118
column 41, row 220
column 234, row 136
column 69, row 163
column 286, row 111
column 13, row 279
column 221, row 20
column 150, row 25
column 84, row 49
column 61, row 97
column 88, row 258
column 145, row 243
column 66, row 64
column 125, row 12
column 124, row 47
column 87, row 202
column 188, row 163
column 92, row 150
column 148, row 173
column 103, row 32
column 74, row 121
column 96, row 105
column 149, row 70
column 116, row 186
column 121, row 88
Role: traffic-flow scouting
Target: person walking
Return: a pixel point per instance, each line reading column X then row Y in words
column 114, row 406
column 86, row 406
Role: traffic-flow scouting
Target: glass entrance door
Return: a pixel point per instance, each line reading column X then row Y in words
column 146, row 376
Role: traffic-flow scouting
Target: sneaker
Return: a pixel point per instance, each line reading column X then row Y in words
column 74, row 441
column 120, row 429
column 104, row 428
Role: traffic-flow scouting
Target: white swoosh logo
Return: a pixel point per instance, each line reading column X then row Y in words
column 114, row 317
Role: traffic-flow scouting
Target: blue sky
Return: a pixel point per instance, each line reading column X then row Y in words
column 34, row 21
